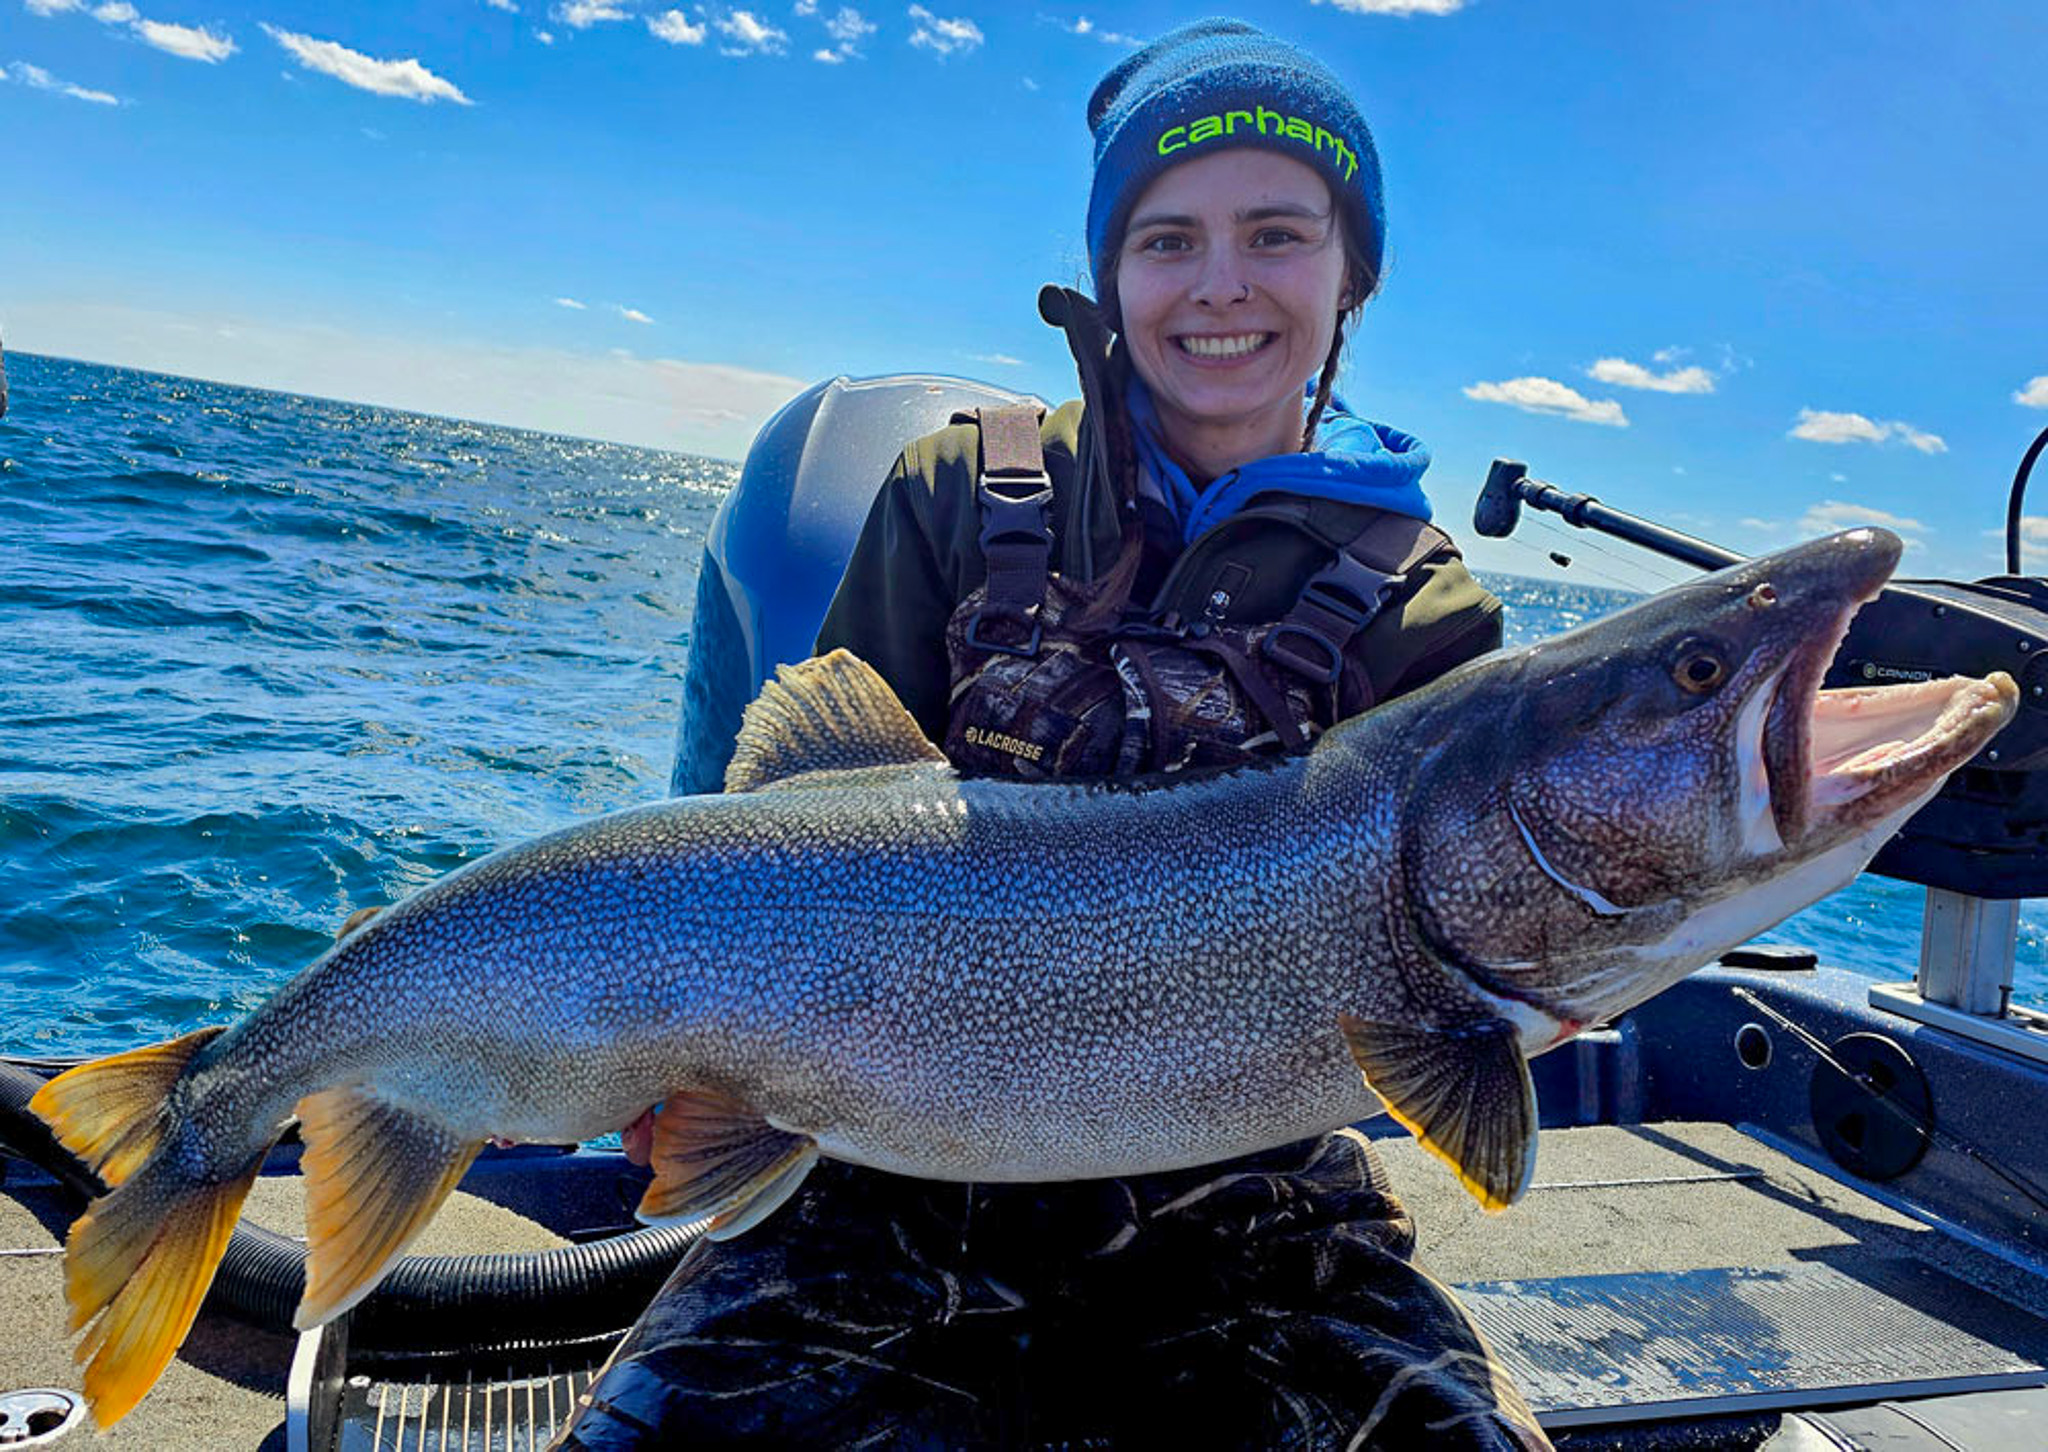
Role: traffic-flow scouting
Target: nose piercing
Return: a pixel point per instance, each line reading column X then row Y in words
column 1244, row 293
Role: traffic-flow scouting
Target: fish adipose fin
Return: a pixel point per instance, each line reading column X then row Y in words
column 109, row 1112
column 830, row 713
column 375, row 1175
column 138, row 1263
column 1463, row 1092
column 714, row 1156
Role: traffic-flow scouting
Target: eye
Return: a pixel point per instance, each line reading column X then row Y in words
column 1164, row 242
column 1275, row 237
column 1700, row 668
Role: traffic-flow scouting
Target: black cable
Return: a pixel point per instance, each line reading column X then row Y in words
column 426, row 1305
column 2012, row 507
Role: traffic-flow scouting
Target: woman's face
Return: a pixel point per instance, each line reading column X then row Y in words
column 1229, row 283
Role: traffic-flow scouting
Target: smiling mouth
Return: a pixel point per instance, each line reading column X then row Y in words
column 1228, row 345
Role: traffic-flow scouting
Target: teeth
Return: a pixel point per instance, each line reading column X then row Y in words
column 1234, row 346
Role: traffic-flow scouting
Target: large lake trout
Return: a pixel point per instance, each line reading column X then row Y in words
column 855, row 953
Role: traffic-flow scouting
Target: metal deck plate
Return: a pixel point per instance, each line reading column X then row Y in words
column 1590, row 1349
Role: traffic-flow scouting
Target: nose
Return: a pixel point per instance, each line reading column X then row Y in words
column 1220, row 281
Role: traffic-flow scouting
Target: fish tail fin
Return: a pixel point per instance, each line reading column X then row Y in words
column 137, row 1265
column 110, row 1113
column 375, row 1174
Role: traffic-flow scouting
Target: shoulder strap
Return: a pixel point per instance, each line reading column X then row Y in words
column 1014, row 494
column 1343, row 597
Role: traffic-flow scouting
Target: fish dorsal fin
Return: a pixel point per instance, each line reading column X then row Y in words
column 714, row 1156
column 1464, row 1093
column 357, row 919
column 375, row 1175
column 830, row 713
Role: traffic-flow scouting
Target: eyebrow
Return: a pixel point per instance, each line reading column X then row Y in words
column 1249, row 214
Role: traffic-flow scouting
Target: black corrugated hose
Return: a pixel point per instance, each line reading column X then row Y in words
column 427, row 1304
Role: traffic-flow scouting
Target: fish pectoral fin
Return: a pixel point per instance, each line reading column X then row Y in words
column 829, row 713
column 110, row 1112
column 716, row 1157
column 1464, row 1093
column 375, row 1175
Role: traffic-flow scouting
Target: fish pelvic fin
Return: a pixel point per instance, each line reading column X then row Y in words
column 137, row 1265
column 1464, row 1093
column 110, row 1113
column 829, row 713
column 715, row 1157
column 375, row 1175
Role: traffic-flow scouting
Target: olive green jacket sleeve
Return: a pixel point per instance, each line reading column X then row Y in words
column 1449, row 619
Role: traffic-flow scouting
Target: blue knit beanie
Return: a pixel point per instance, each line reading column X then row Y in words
column 1216, row 84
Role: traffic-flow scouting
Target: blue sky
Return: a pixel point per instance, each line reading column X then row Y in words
column 1760, row 266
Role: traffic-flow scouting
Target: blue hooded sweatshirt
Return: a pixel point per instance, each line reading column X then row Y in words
column 1358, row 462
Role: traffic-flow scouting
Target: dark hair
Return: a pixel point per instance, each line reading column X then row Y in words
column 1360, row 283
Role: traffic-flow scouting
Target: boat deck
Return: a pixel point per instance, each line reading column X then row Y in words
column 1634, row 1202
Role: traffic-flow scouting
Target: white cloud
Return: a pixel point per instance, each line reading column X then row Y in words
column 748, row 34
column 1926, row 443
column 941, row 36
column 1082, row 25
column 849, row 27
column 701, row 407
column 116, row 12
column 2035, row 394
column 1821, row 427
column 406, row 79
column 582, row 14
column 674, row 27
column 1397, row 7
column 1832, row 514
column 1838, row 428
column 568, row 302
column 828, row 57
column 189, row 41
column 1548, row 396
column 1000, row 360
column 36, row 78
column 52, row 7
column 1029, row 84
column 806, row 7
column 2033, row 540
column 508, row 6
column 545, row 37
column 1624, row 374
column 631, row 315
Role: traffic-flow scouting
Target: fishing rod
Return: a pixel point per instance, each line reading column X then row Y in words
column 1508, row 487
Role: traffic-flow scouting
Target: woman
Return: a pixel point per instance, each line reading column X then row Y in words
column 1201, row 560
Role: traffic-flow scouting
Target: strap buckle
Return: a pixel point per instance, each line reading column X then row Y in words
column 1018, row 517
column 1339, row 600
column 1027, row 617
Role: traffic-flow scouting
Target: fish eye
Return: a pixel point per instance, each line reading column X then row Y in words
column 1700, row 668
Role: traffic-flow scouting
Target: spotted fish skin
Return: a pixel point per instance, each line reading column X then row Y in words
column 854, row 953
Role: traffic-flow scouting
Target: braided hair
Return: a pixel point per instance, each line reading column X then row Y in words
column 1360, row 283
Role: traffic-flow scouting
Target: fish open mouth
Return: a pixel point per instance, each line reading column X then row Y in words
column 1849, row 756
